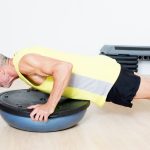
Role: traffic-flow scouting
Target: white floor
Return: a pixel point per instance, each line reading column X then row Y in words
column 110, row 128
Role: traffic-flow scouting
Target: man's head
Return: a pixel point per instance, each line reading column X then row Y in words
column 7, row 73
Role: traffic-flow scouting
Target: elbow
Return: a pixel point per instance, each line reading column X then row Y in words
column 70, row 66
column 67, row 68
column 63, row 69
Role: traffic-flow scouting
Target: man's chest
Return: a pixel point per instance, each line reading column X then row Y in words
column 34, row 75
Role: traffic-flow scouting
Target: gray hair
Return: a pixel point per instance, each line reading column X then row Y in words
column 3, row 60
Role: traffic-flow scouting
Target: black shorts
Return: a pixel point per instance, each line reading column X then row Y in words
column 124, row 89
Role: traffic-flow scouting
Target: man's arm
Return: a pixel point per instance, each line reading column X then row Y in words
column 61, row 75
column 61, row 72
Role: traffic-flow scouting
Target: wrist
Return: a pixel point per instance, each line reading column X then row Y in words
column 51, row 103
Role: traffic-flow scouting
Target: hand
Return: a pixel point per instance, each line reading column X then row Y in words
column 40, row 112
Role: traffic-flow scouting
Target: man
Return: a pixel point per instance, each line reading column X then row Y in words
column 96, row 78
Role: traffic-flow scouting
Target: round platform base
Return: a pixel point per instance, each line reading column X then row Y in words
column 53, row 124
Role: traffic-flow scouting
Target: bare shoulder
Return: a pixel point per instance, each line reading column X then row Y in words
column 40, row 64
column 24, row 64
column 31, row 59
column 37, row 64
column 34, row 59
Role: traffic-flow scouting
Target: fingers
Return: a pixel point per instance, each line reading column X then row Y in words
column 40, row 112
column 33, row 106
column 41, row 117
column 45, row 118
column 37, row 116
column 32, row 114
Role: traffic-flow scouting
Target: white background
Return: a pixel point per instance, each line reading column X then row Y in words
column 83, row 26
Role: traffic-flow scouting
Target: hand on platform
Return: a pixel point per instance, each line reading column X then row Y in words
column 40, row 112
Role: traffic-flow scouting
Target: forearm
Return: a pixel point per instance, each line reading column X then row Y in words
column 61, row 79
column 56, row 93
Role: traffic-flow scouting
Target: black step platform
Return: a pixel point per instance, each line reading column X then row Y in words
column 127, row 56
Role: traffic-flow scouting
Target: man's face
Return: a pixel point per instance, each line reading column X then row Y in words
column 5, row 78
